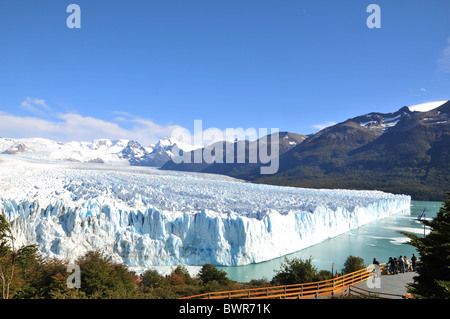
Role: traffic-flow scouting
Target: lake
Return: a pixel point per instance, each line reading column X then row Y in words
column 380, row 239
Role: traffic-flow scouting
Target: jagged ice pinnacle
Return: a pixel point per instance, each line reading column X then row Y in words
column 143, row 217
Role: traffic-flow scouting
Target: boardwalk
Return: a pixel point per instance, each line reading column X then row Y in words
column 391, row 284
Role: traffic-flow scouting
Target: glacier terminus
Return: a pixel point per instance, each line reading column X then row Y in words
column 143, row 216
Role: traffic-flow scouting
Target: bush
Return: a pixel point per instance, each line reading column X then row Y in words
column 184, row 273
column 210, row 273
column 101, row 278
column 353, row 264
column 152, row 279
column 176, row 279
column 295, row 271
column 324, row 275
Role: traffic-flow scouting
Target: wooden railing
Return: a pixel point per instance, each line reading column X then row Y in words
column 320, row 289
column 354, row 290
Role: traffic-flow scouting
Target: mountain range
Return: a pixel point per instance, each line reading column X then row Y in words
column 403, row 152
column 122, row 151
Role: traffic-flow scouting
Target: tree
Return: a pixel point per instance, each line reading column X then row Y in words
column 101, row 278
column 433, row 280
column 295, row 271
column 353, row 264
column 152, row 279
column 9, row 256
column 210, row 273
column 182, row 272
column 50, row 279
column 27, row 273
column 6, row 257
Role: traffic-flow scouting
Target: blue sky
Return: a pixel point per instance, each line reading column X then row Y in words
column 138, row 69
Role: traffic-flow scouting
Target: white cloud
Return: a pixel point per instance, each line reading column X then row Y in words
column 36, row 106
column 423, row 89
column 146, row 129
column 444, row 60
column 321, row 126
column 72, row 126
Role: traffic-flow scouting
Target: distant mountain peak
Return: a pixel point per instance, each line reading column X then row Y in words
column 379, row 123
column 96, row 151
column 16, row 149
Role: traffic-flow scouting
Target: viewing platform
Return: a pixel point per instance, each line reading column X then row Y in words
column 391, row 286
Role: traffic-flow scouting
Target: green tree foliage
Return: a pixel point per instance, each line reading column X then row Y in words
column 183, row 273
column 11, row 259
column 295, row 271
column 102, row 278
column 49, row 281
column 433, row 280
column 353, row 264
column 209, row 273
column 151, row 279
column 6, row 257
column 40, row 279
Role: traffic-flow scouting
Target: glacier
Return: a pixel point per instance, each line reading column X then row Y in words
column 143, row 217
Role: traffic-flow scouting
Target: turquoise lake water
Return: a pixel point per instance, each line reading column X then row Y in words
column 380, row 239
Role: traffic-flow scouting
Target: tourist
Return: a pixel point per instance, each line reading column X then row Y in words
column 413, row 262
column 376, row 262
column 401, row 264
column 391, row 265
column 406, row 261
column 395, row 262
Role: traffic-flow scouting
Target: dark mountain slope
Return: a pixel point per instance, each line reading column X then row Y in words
column 235, row 168
column 411, row 157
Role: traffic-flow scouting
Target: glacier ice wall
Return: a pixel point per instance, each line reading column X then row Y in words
column 146, row 217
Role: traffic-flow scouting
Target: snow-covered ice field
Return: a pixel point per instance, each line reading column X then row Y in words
column 145, row 217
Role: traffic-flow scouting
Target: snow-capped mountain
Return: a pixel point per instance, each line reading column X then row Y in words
column 380, row 122
column 405, row 151
column 162, row 152
column 121, row 151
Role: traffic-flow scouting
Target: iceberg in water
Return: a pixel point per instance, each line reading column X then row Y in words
column 145, row 217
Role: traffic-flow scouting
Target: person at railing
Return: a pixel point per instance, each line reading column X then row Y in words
column 376, row 262
column 407, row 265
column 401, row 264
column 395, row 264
column 413, row 262
column 391, row 266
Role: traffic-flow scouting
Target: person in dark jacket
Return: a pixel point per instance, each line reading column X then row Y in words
column 395, row 266
column 413, row 262
column 391, row 265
